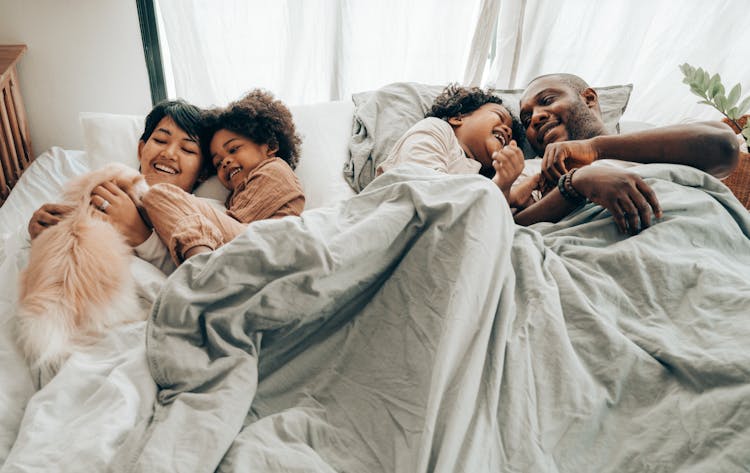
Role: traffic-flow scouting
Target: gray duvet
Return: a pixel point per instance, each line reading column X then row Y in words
column 415, row 328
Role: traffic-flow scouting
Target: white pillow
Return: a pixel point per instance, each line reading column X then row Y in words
column 110, row 138
column 324, row 128
column 212, row 189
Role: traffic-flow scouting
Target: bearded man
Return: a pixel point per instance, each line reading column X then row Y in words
column 563, row 124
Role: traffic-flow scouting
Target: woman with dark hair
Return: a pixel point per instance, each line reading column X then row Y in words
column 168, row 152
column 253, row 146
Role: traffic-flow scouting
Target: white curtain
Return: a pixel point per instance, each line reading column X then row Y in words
column 308, row 51
column 642, row 42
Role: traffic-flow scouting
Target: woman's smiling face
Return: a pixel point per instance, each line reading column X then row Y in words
column 170, row 156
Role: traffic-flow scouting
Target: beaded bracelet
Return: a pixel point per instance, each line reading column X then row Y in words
column 565, row 186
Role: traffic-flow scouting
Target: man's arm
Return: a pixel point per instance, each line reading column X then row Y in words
column 708, row 146
column 626, row 195
column 551, row 208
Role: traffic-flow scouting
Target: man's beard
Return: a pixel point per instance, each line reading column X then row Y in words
column 583, row 123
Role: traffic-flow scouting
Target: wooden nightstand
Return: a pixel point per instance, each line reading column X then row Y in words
column 15, row 141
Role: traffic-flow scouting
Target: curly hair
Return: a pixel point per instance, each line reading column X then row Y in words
column 455, row 100
column 259, row 117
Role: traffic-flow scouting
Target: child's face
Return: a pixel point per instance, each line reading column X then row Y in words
column 483, row 131
column 234, row 156
column 170, row 156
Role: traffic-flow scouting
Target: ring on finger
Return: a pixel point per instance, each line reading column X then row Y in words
column 104, row 205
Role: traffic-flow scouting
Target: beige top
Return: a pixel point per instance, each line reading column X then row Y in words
column 432, row 143
column 184, row 221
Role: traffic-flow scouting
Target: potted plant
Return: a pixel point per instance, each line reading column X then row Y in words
column 712, row 92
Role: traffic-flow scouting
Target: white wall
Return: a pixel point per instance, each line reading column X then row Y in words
column 83, row 56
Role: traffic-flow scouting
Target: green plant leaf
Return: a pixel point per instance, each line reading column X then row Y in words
column 685, row 69
column 699, row 93
column 732, row 113
column 734, row 95
column 721, row 103
column 721, row 90
column 706, row 102
column 704, row 79
column 698, row 78
column 713, row 85
column 744, row 106
column 746, row 132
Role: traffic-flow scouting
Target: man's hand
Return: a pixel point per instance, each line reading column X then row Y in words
column 121, row 212
column 625, row 194
column 46, row 216
column 561, row 157
column 508, row 164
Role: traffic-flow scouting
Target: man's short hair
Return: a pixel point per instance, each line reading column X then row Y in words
column 571, row 80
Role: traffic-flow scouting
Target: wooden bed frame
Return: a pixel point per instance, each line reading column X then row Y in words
column 15, row 142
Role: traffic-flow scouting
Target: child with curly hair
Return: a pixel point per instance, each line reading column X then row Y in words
column 467, row 131
column 254, row 148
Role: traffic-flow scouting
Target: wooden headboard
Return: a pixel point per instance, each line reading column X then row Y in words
column 15, row 142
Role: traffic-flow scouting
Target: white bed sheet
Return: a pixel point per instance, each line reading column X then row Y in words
column 77, row 420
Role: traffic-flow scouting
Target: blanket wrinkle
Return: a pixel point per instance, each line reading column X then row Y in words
column 415, row 328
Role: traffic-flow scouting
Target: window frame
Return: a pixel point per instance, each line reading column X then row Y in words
column 152, row 50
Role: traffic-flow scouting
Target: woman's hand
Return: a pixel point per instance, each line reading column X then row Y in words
column 120, row 212
column 508, row 164
column 46, row 216
column 625, row 194
column 559, row 158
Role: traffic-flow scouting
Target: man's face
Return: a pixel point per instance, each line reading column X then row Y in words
column 551, row 111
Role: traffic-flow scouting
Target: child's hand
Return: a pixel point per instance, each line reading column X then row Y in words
column 520, row 194
column 508, row 164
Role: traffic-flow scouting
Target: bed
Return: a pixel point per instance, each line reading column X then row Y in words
column 411, row 327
